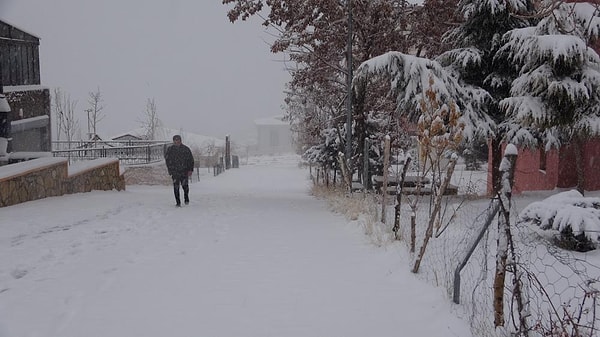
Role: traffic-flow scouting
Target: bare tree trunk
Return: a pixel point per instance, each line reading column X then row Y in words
column 360, row 133
column 345, row 174
column 413, row 231
column 507, row 167
column 399, row 192
column 150, row 122
column 366, row 176
column 386, row 165
column 578, row 142
column 496, row 150
column 434, row 214
column 94, row 111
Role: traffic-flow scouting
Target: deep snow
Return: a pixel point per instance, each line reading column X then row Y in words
column 252, row 255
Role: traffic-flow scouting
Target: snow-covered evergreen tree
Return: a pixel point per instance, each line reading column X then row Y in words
column 410, row 77
column 378, row 125
column 470, row 74
column 557, row 91
column 325, row 153
column 476, row 41
column 556, row 98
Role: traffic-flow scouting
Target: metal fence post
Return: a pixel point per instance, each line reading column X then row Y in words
column 493, row 210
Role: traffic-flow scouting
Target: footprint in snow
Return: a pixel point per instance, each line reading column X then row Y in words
column 18, row 273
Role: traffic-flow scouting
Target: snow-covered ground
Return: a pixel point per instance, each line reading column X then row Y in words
column 252, row 255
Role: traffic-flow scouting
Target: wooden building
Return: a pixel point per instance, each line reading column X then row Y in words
column 29, row 118
column 19, row 56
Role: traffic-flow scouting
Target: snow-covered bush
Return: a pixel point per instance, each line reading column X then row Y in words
column 325, row 153
column 574, row 217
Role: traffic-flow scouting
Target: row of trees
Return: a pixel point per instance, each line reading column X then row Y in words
column 67, row 123
column 515, row 71
column 518, row 70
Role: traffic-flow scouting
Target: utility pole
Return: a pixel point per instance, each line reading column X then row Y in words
column 349, row 85
column 1, row 73
column 89, row 131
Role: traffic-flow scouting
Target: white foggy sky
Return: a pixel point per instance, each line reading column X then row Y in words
column 207, row 75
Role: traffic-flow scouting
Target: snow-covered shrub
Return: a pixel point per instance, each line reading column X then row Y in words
column 574, row 217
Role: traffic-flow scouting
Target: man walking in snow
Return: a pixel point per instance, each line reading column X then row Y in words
column 180, row 164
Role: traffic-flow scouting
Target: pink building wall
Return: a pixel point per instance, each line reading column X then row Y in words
column 591, row 166
column 530, row 173
column 559, row 171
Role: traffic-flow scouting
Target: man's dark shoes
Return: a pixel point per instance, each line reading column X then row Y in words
column 187, row 200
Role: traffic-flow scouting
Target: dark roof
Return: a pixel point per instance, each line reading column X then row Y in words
column 12, row 33
column 127, row 136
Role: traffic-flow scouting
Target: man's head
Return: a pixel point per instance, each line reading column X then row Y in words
column 177, row 139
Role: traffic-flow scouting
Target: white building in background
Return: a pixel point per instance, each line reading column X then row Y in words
column 274, row 136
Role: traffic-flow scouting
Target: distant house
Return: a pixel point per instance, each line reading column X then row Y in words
column 274, row 136
column 127, row 138
column 20, row 81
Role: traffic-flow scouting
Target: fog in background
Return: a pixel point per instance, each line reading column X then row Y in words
column 207, row 75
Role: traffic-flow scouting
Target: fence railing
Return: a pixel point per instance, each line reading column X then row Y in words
column 128, row 152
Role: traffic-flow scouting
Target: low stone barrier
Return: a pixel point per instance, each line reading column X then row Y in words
column 98, row 174
column 48, row 177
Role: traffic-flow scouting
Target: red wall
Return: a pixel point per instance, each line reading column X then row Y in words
column 560, row 172
column 591, row 165
column 529, row 173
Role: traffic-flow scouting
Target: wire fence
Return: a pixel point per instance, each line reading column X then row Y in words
column 561, row 287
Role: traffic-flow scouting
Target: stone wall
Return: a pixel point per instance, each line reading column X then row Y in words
column 151, row 174
column 31, row 180
column 48, row 177
column 100, row 174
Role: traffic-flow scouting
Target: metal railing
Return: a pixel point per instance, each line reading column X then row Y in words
column 128, row 152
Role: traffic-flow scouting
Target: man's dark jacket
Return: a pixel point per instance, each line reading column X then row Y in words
column 179, row 160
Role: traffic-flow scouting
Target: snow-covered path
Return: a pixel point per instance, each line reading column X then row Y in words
column 252, row 255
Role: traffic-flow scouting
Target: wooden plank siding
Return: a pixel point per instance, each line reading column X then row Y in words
column 19, row 57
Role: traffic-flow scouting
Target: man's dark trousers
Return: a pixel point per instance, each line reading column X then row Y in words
column 183, row 181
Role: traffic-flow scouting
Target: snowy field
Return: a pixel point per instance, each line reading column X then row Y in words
column 252, row 255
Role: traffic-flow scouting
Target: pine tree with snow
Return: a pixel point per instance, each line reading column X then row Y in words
column 476, row 41
column 411, row 77
column 556, row 98
column 470, row 74
column 326, row 152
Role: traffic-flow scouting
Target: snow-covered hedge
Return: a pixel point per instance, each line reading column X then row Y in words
column 569, row 213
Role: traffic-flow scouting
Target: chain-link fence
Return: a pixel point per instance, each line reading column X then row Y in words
column 559, row 288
